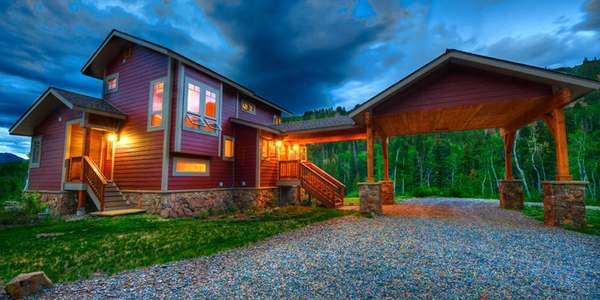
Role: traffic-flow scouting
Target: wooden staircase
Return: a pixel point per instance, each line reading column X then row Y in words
column 106, row 194
column 319, row 184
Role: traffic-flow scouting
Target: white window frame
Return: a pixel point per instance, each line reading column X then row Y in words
column 36, row 163
column 227, row 137
column 106, row 79
column 177, row 173
column 253, row 112
column 150, row 99
column 202, row 116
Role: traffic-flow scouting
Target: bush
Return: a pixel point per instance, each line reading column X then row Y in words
column 424, row 191
column 24, row 211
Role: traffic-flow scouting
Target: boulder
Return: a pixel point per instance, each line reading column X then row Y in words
column 27, row 284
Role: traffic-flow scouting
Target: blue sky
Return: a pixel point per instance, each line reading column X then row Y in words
column 300, row 54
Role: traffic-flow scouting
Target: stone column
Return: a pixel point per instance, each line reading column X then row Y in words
column 387, row 192
column 511, row 194
column 564, row 203
column 370, row 197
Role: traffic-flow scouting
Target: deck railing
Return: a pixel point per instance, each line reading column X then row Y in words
column 289, row 169
column 314, row 180
column 95, row 180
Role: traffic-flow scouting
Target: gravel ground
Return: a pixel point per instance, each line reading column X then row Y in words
column 422, row 248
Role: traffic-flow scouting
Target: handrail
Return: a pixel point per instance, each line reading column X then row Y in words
column 94, row 179
column 289, row 169
column 316, row 168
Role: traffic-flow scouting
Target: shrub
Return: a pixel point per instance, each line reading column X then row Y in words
column 424, row 191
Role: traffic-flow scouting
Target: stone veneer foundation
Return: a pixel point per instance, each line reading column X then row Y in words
column 59, row 203
column 511, row 194
column 564, row 203
column 191, row 203
column 370, row 197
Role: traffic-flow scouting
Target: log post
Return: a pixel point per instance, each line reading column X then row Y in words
column 555, row 121
column 370, row 143
column 384, row 149
column 509, row 139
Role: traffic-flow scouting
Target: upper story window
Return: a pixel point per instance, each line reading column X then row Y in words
column 155, row 104
column 276, row 119
column 111, row 83
column 248, row 107
column 228, row 145
column 202, row 108
column 36, row 152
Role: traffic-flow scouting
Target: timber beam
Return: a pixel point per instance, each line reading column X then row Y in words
column 555, row 120
column 560, row 99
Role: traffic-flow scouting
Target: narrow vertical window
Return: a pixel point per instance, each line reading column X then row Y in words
column 157, row 88
column 193, row 116
column 36, row 152
column 228, row 145
column 276, row 119
column 111, row 83
column 210, row 105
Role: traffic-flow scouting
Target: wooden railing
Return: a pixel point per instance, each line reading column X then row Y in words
column 314, row 180
column 95, row 180
column 289, row 169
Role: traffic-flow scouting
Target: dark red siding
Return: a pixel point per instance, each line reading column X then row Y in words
column 48, row 176
column 245, row 155
column 264, row 114
column 139, row 153
column 461, row 86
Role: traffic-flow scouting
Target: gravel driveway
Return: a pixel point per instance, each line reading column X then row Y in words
column 423, row 248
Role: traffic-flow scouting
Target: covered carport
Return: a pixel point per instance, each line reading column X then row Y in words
column 460, row 91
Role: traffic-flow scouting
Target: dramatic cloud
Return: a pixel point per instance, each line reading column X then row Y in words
column 300, row 54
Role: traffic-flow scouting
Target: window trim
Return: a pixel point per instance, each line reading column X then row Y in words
column 36, row 164
column 106, row 79
column 227, row 137
column 204, row 174
column 162, row 112
column 203, row 88
column 253, row 112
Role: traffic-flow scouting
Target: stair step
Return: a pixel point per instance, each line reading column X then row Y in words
column 117, row 208
column 115, row 203
column 111, row 193
column 114, row 198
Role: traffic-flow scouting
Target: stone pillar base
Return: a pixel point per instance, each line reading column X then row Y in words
column 370, row 197
column 511, row 194
column 564, row 203
column 387, row 192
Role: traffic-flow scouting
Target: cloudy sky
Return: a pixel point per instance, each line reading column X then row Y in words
column 300, row 54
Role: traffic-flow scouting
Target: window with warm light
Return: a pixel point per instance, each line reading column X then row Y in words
column 248, row 107
column 36, row 152
column 111, row 83
column 228, row 144
column 202, row 103
column 157, row 92
column 276, row 119
column 190, row 167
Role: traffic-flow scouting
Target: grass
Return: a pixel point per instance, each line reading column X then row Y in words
column 72, row 250
column 356, row 200
column 592, row 219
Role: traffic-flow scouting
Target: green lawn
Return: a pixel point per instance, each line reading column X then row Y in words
column 72, row 250
column 592, row 219
column 356, row 200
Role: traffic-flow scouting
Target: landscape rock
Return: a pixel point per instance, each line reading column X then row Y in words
column 27, row 284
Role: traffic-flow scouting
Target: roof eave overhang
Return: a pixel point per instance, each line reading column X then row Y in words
column 87, row 68
column 554, row 78
column 255, row 125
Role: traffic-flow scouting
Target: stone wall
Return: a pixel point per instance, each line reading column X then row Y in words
column 188, row 204
column 59, row 203
column 564, row 203
column 387, row 192
column 511, row 194
column 370, row 197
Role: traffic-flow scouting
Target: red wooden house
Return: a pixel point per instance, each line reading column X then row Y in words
column 169, row 135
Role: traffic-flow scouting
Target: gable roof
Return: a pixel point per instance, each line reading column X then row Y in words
column 579, row 85
column 118, row 39
column 52, row 98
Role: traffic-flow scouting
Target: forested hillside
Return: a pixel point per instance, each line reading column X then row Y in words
column 12, row 180
column 468, row 164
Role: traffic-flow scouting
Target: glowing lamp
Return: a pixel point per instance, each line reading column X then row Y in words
column 278, row 143
column 296, row 147
column 112, row 137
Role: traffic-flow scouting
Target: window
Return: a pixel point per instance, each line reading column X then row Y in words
column 36, row 152
column 111, row 83
column 268, row 149
column 248, row 107
column 155, row 111
column 201, row 108
column 276, row 119
column 228, row 147
column 191, row 167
